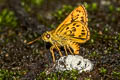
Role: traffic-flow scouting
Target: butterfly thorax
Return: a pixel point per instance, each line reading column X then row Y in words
column 53, row 38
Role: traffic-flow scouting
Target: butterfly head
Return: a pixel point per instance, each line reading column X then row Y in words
column 46, row 36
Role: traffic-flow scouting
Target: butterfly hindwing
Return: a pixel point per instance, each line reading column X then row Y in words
column 76, row 31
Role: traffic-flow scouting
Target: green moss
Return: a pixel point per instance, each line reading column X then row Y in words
column 103, row 70
column 26, row 6
column 92, row 41
column 60, row 14
column 91, row 7
column 111, row 8
column 7, row 18
column 118, row 9
column 118, row 36
column 106, row 29
column 86, row 5
column 94, row 6
column 65, row 75
column 94, row 54
column 37, row 2
column 11, row 75
column 95, row 35
column 32, row 2
column 52, row 26
column 116, row 74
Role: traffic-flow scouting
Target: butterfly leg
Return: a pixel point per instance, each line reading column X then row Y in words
column 65, row 51
column 58, row 50
column 69, row 49
column 51, row 50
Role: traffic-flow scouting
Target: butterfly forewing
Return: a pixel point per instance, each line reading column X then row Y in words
column 78, row 14
column 76, row 31
column 74, row 27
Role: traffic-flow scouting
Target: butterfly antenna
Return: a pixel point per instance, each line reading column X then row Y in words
column 33, row 41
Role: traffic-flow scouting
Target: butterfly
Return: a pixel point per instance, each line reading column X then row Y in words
column 72, row 31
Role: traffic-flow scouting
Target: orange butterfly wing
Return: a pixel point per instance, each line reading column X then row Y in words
column 74, row 27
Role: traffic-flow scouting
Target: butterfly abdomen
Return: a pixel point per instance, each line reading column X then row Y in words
column 75, row 46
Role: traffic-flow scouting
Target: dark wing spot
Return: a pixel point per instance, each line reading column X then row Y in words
column 82, row 38
column 74, row 42
column 82, row 19
column 74, row 24
column 72, row 20
column 72, row 17
column 83, row 30
column 77, row 25
column 67, row 28
column 78, row 11
column 83, row 33
column 72, row 35
column 72, row 14
column 77, row 14
column 82, row 27
column 65, row 33
column 73, row 29
column 70, row 32
column 76, row 18
column 79, row 36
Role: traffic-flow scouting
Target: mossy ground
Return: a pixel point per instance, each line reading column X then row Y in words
column 25, row 20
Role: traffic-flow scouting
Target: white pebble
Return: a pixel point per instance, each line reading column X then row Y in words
column 73, row 62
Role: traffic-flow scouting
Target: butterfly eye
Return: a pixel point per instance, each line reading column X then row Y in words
column 48, row 35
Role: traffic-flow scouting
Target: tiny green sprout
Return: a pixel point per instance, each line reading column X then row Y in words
column 11, row 75
column 117, row 74
column 94, row 6
column 103, row 70
column 67, row 7
column 52, row 26
column 118, row 36
column 94, row 54
column 118, row 9
column 106, row 29
column 1, row 19
column 111, row 8
column 49, row 79
column 105, row 51
column 86, row 5
column 37, row 2
column 92, row 41
column 7, row 18
column 60, row 14
column 74, row 74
